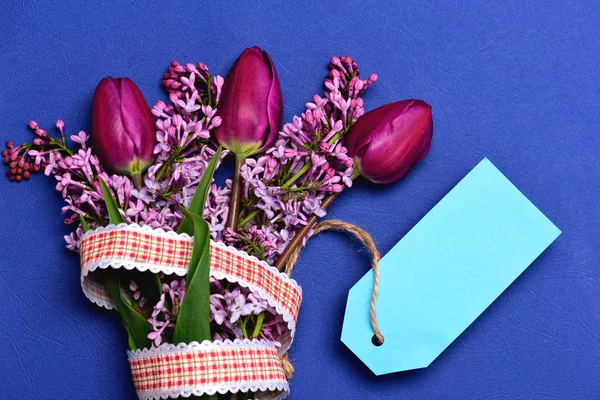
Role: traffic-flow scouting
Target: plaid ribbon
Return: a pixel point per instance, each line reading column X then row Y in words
column 208, row 368
column 143, row 248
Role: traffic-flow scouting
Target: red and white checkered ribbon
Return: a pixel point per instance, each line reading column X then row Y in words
column 208, row 368
column 194, row 369
column 146, row 249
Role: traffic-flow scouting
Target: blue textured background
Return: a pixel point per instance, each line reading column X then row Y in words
column 515, row 81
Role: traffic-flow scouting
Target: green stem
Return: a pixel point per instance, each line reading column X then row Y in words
column 248, row 218
column 308, row 165
column 302, row 189
column 335, row 137
column 61, row 144
column 258, row 326
column 168, row 163
column 236, row 194
column 338, row 135
column 297, row 176
column 208, row 88
column 243, row 328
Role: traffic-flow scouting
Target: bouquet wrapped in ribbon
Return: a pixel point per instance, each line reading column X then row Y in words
column 196, row 270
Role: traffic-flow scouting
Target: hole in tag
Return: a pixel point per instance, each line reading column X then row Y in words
column 376, row 342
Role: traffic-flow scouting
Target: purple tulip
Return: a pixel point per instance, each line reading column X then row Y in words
column 122, row 127
column 251, row 109
column 251, row 105
column 388, row 141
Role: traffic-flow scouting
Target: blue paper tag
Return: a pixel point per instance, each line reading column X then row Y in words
column 446, row 271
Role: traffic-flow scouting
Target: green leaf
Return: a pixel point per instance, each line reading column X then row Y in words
column 201, row 234
column 136, row 325
column 199, row 199
column 84, row 224
column 130, row 341
column 196, row 304
column 193, row 321
column 114, row 216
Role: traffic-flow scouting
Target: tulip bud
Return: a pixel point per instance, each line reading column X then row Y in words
column 388, row 141
column 251, row 109
column 122, row 127
column 251, row 105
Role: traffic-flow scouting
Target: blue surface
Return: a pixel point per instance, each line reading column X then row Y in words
column 446, row 271
column 517, row 82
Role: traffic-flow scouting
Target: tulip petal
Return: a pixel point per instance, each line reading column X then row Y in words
column 122, row 126
column 137, row 120
column 113, row 145
column 250, row 118
column 274, row 106
column 388, row 141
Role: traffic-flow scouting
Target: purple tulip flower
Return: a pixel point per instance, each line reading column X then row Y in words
column 251, row 109
column 388, row 141
column 122, row 127
column 251, row 106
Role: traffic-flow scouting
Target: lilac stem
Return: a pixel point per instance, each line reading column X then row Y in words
column 297, row 239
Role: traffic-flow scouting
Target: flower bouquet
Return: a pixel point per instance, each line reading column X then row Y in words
column 199, row 272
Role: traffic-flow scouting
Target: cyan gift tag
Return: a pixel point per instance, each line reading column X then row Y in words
column 446, row 271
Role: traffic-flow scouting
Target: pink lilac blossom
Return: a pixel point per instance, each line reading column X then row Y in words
column 287, row 184
column 233, row 309
column 164, row 313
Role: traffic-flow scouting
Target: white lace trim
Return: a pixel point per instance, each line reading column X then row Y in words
column 282, row 389
column 142, row 267
column 166, row 348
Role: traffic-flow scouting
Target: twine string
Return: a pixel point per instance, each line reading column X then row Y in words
column 368, row 242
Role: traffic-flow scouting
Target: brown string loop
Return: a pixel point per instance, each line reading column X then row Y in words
column 368, row 242
column 288, row 368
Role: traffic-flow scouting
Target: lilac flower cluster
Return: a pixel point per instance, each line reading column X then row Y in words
column 308, row 162
column 183, row 150
column 287, row 184
column 233, row 312
column 282, row 188
column 76, row 171
column 183, row 132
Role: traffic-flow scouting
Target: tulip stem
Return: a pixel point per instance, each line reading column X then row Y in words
column 297, row 239
column 236, row 194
